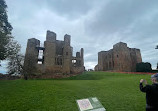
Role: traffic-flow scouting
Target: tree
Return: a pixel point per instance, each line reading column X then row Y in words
column 15, row 64
column 16, row 60
column 5, row 31
column 143, row 67
column 9, row 48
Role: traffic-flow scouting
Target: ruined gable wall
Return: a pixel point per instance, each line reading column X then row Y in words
column 122, row 59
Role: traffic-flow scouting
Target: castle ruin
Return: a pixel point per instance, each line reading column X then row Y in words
column 121, row 58
column 56, row 58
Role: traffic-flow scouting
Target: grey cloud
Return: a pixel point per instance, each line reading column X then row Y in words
column 115, row 16
column 70, row 8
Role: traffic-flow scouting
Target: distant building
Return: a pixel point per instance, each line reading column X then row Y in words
column 120, row 58
column 56, row 56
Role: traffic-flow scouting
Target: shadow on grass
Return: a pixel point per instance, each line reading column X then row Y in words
column 83, row 76
column 92, row 76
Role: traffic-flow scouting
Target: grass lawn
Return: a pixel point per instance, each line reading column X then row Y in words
column 116, row 92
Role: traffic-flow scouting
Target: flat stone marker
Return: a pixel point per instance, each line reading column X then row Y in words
column 90, row 104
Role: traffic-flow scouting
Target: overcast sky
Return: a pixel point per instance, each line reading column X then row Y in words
column 94, row 25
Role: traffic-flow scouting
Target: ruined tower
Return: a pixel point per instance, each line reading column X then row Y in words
column 120, row 58
column 67, row 54
column 31, row 56
column 56, row 58
column 50, row 51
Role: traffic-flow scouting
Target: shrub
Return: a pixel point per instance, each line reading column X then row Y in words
column 143, row 67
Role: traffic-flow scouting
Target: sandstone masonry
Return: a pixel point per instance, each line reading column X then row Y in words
column 56, row 58
column 120, row 58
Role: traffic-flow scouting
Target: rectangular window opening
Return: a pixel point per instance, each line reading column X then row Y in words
column 39, row 62
column 40, row 57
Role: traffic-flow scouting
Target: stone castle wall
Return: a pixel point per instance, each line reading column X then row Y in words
column 57, row 56
column 120, row 58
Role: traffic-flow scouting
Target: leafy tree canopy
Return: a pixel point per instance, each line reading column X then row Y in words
column 5, row 31
column 16, row 60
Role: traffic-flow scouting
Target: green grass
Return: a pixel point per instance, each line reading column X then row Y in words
column 116, row 92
